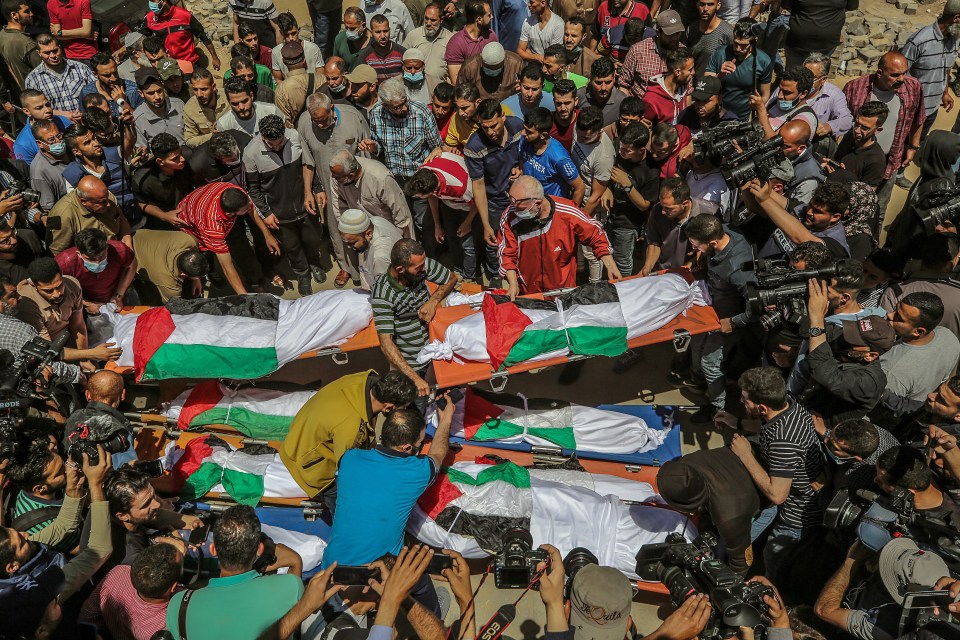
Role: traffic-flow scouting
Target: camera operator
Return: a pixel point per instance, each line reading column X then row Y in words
column 854, row 446
column 35, row 580
column 788, row 468
column 725, row 252
column 104, row 394
column 822, row 218
column 706, row 107
column 853, row 385
column 875, row 601
column 906, row 468
column 255, row 601
column 716, row 485
column 14, row 334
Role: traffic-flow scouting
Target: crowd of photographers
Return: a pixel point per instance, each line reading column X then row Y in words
column 448, row 143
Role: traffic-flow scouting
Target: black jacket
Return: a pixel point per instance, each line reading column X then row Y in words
column 842, row 390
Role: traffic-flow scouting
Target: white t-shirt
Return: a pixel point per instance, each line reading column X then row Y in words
column 538, row 39
column 229, row 119
column 892, row 100
column 311, row 54
column 594, row 161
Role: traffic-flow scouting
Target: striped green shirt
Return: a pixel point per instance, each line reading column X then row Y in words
column 396, row 308
column 26, row 503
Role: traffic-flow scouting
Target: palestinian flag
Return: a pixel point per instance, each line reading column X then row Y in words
column 237, row 337
column 210, row 464
column 588, row 320
column 484, row 416
column 256, row 413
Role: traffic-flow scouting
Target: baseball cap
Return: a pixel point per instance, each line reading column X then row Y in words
column 131, row 39
column 669, row 22
column 354, row 221
column 145, row 75
column 873, row 332
column 168, row 68
column 902, row 563
column 705, row 87
column 600, row 599
column 493, row 54
column 292, row 53
column 783, row 171
column 362, row 73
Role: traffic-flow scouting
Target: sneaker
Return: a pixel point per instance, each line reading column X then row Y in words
column 626, row 360
column 318, row 274
column 304, row 285
column 681, row 380
column 704, row 415
column 444, row 600
column 903, row 181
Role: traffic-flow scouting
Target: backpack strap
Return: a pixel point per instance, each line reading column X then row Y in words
column 30, row 519
column 182, row 615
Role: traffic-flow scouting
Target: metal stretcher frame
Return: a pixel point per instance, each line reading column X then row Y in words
column 452, row 374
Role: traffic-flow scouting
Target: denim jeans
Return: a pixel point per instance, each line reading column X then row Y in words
column 707, row 351
column 464, row 248
column 780, row 543
column 325, row 28
column 495, row 208
column 623, row 241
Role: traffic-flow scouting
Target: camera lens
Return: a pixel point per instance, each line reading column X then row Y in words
column 577, row 559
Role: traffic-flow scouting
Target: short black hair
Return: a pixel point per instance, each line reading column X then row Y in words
column 832, row 196
column 743, row 29
column 246, row 28
column 233, row 200
column 906, row 467
column 705, row 227
column 633, row 30
column 939, row 250
column 395, row 388
column 815, row 254
column 664, row 133
column 236, row 535
column 602, row 67
column 579, row 21
column 676, row 58
column 677, row 187
column 154, row 44
column 11, row 6
column 90, row 101
column 540, row 118
column 122, row 486
column 532, row 72
column 43, row 270
column 271, row 127
column 286, row 21
column 74, row 132
column 444, row 91
column 379, row 19
column 28, row 467
column 764, row 385
column 240, row 50
column 801, row 75
column 874, row 109
column 192, row 263
column 155, row 570
column 859, row 437
column 402, row 427
column 474, row 9
column 91, row 241
column 422, row 182
column 636, row 134
column 556, row 51
column 38, row 126
column 242, row 61
column 466, row 91
column 849, row 275
column 489, row 108
column 199, row 73
column 236, row 84
column 930, row 307
column 99, row 59
column 590, row 118
column 631, row 106
column 222, row 144
column 403, row 250
column 887, row 261
column 97, row 120
column 163, row 144
column 564, row 87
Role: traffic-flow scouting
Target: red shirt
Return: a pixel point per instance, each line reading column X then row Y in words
column 265, row 56
column 443, row 125
column 97, row 287
column 205, row 219
column 565, row 135
column 544, row 253
column 70, row 15
column 605, row 22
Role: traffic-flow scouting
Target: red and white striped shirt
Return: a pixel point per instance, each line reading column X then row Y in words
column 116, row 605
column 204, row 217
column 455, row 189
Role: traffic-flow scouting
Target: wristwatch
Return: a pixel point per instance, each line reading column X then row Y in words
column 816, row 331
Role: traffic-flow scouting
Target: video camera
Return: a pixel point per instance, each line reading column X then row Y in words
column 756, row 162
column 877, row 519
column 35, row 355
column 688, row 568
column 782, row 288
column 96, row 430
column 939, row 207
column 516, row 565
column 725, row 140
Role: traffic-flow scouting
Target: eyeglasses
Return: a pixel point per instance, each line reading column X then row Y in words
column 515, row 201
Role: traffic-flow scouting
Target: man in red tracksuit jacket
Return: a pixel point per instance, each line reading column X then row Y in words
column 539, row 236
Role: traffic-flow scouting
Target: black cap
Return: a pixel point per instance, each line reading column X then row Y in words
column 145, row 75
column 705, row 87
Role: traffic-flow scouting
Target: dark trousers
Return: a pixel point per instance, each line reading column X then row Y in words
column 292, row 243
column 242, row 253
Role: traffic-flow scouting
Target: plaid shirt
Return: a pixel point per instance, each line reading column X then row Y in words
column 406, row 142
column 62, row 91
column 643, row 61
column 912, row 114
column 15, row 333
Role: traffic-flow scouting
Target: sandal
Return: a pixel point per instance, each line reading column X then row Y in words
column 341, row 280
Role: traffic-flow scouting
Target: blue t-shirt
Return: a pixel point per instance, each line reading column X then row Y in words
column 492, row 162
column 738, row 86
column 25, row 146
column 376, row 491
column 554, row 169
column 518, row 109
column 129, row 91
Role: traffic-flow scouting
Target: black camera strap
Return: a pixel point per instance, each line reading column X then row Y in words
column 182, row 614
column 30, row 519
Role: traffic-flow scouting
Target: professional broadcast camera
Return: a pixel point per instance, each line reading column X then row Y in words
column 35, row 356
column 938, row 208
column 780, row 293
column 756, row 162
column 516, row 564
column 688, row 568
column 99, row 429
column 877, row 519
column 726, row 140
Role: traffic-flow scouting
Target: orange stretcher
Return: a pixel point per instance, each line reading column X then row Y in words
column 452, row 374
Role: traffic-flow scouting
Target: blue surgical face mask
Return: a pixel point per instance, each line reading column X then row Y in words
column 95, row 267
column 786, row 105
column 413, row 77
column 154, row 7
column 353, row 35
column 493, row 73
column 837, row 459
column 527, row 214
column 58, row 148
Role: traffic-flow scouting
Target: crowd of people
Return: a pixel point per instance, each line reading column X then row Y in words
column 405, row 148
